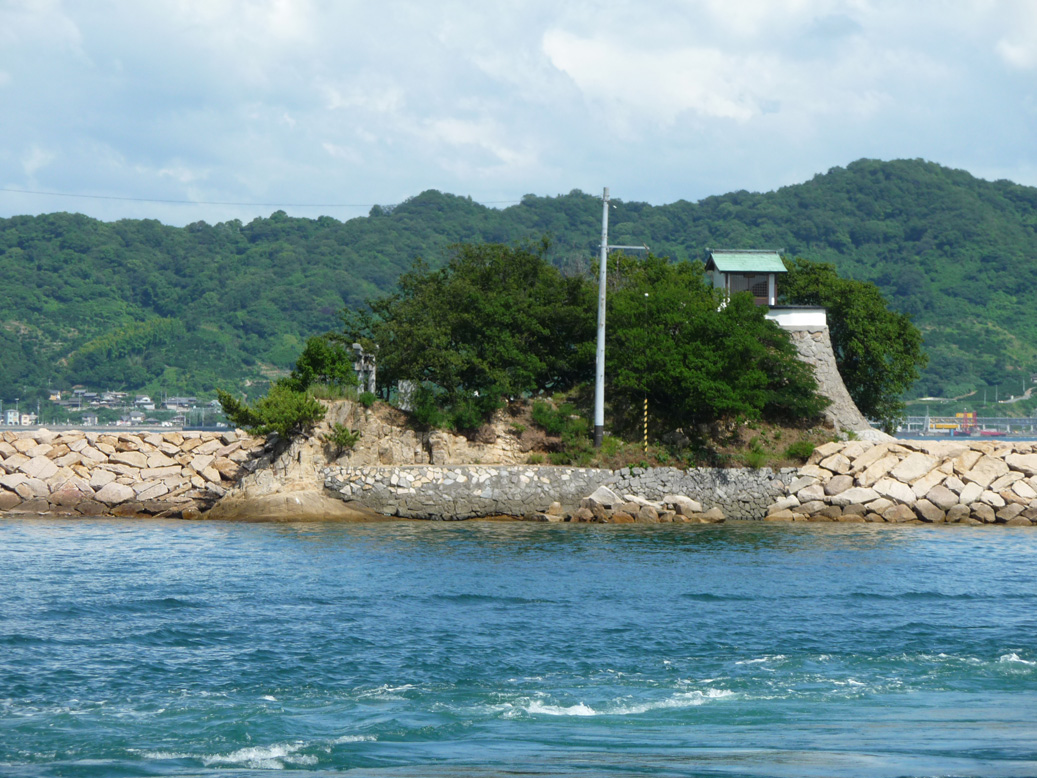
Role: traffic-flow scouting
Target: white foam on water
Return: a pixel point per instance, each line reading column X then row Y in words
column 538, row 707
column 1014, row 658
column 268, row 698
column 761, row 660
column 385, row 692
column 680, row 700
column 579, row 709
column 353, row 739
column 275, row 757
column 162, row 755
column 969, row 660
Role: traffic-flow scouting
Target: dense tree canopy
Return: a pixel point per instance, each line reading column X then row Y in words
column 325, row 360
column 953, row 251
column 697, row 360
column 496, row 321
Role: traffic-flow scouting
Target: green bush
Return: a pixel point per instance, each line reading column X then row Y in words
column 342, row 437
column 367, row 399
column 572, row 428
column 323, row 361
column 425, row 408
column 755, row 457
column 801, row 449
column 283, row 410
column 469, row 412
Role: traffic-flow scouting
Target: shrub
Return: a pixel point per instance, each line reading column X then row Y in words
column 547, row 418
column 367, row 399
column 573, row 429
column 426, row 409
column 755, row 457
column 283, row 410
column 323, row 361
column 801, row 449
column 342, row 437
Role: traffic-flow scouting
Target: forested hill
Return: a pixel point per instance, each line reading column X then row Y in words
column 138, row 305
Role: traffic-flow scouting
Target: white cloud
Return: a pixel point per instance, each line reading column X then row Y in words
column 481, row 135
column 35, row 159
column 341, row 152
column 180, row 173
column 316, row 101
column 368, row 95
column 1018, row 46
column 660, row 85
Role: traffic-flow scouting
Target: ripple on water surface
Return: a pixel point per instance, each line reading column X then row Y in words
column 173, row 648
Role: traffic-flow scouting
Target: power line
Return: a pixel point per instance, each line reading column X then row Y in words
column 218, row 202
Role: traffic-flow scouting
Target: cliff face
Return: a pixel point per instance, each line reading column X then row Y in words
column 386, row 440
column 289, row 483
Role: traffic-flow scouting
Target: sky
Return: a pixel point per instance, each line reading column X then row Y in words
column 211, row 110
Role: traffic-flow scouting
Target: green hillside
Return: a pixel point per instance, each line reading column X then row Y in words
column 137, row 305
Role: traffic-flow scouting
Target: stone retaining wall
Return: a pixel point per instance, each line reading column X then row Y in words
column 814, row 345
column 467, row 491
column 184, row 474
column 175, row 474
column 970, row 482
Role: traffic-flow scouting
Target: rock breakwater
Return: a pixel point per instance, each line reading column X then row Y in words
column 968, row 482
column 175, row 474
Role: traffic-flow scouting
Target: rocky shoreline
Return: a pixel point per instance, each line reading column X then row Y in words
column 126, row 474
column 935, row 482
column 233, row 476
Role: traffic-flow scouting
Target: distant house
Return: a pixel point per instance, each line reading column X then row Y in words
column 746, row 270
column 11, row 417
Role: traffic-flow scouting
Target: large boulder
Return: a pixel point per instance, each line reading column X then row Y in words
column 302, row 505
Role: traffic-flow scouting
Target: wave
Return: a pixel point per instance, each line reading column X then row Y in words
column 386, row 692
column 540, row 707
column 923, row 596
column 1014, row 658
column 762, row 660
column 475, row 599
column 278, row 756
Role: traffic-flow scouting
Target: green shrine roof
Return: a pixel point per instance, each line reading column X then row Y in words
column 745, row 261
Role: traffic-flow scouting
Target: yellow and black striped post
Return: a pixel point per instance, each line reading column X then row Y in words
column 646, row 425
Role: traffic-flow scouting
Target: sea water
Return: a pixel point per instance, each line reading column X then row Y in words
column 152, row 648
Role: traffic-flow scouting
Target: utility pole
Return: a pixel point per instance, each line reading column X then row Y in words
column 599, row 363
column 599, row 355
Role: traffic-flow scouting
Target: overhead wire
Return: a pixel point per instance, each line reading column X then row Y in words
column 220, row 202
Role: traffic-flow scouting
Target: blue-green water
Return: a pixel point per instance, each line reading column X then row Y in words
column 474, row 649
